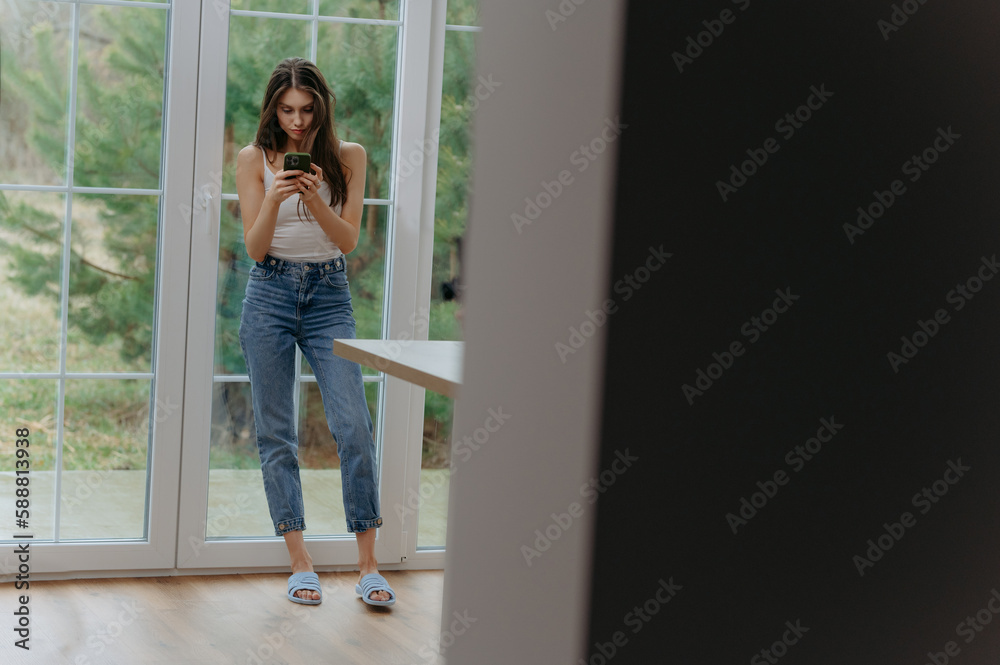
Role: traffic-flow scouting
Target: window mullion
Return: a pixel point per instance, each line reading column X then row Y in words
column 67, row 255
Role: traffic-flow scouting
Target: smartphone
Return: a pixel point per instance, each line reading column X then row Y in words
column 297, row 160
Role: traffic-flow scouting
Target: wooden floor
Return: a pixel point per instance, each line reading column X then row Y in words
column 243, row 619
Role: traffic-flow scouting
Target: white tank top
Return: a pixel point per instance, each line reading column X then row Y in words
column 298, row 239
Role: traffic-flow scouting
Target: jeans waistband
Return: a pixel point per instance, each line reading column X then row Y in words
column 335, row 264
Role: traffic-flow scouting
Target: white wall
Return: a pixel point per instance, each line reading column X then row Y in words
column 525, row 290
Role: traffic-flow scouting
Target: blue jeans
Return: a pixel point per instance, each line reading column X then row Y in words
column 309, row 304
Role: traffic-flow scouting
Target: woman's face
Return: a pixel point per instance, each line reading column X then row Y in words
column 295, row 112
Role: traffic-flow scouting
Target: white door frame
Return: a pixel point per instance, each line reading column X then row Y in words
column 410, row 242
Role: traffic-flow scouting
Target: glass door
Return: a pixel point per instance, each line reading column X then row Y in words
column 94, row 279
column 375, row 59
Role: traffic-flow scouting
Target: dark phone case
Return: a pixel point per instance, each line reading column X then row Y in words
column 303, row 162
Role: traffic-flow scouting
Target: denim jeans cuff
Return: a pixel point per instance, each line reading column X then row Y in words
column 296, row 524
column 360, row 526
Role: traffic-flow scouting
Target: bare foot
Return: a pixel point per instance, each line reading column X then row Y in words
column 374, row 595
column 304, row 566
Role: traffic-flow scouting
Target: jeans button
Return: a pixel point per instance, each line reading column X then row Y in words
column 272, row 262
column 307, row 267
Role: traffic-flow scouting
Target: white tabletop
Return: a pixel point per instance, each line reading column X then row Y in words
column 432, row 364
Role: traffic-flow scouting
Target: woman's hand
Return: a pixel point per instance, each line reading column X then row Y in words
column 282, row 188
column 309, row 183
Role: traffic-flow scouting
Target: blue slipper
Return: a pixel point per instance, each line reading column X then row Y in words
column 308, row 581
column 374, row 582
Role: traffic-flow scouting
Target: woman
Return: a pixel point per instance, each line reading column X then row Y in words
column 297, row 227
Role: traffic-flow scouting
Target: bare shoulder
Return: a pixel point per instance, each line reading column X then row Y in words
column 353, row 153
column 247, row 155
column 248, row 165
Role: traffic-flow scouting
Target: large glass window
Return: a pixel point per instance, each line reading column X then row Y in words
column 81, row 136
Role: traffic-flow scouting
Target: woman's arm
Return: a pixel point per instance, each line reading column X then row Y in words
column 259, row 210
column 343, row 230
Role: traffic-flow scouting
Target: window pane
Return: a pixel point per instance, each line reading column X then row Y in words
column 462, row 12
column 234, row 271
column 34, row 59
column 112, row 282
column 435, row 472
column 119, row 97
column 359, row 63
column 105, row 443
column 461, row 95
column 380, row 9
column 31, row 232
column 29, row 403
column 237, row 505
column 459, row 102
column 250, row 67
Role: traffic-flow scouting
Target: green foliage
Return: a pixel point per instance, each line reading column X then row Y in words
column 118, row 130
column 118, row 144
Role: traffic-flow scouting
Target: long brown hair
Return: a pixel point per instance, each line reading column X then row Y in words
column 321, row 140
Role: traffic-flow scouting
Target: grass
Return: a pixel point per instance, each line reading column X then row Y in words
column 105, row 421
